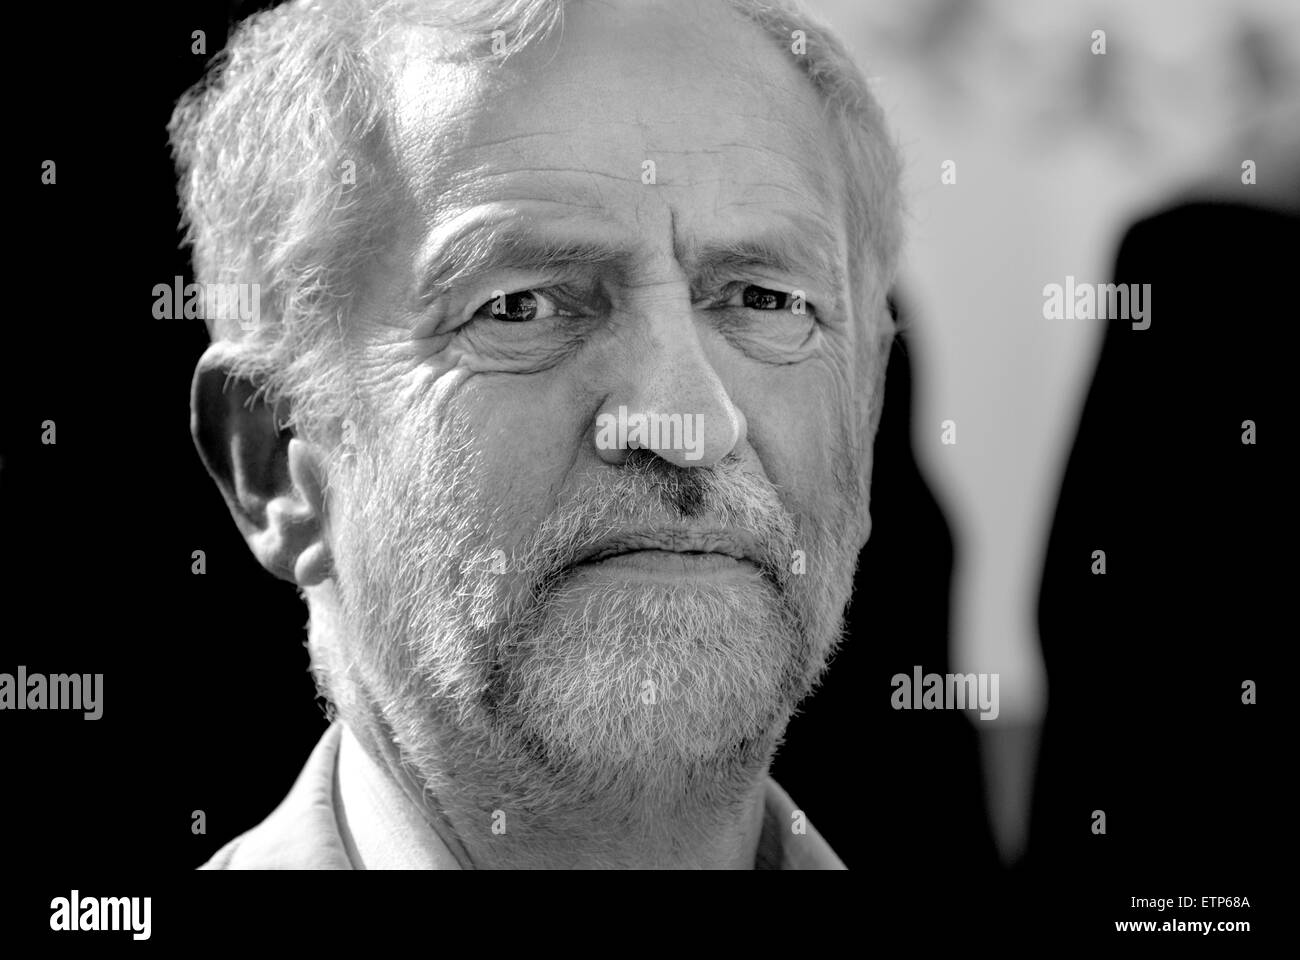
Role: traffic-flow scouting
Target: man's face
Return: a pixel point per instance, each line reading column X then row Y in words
column 640, row 208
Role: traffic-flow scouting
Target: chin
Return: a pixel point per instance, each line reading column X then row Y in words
column 642, row 684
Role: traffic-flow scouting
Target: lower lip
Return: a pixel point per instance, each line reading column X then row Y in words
column 670, row 563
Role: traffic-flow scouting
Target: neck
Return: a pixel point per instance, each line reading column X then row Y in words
column 697, row 829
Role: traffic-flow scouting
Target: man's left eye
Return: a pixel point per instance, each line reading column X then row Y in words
column 761, row 298
column 753, row 297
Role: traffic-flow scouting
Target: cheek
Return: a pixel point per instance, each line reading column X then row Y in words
column 512, row 442
column 797, row 419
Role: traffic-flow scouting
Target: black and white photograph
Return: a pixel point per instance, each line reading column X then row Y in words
column 650, row 435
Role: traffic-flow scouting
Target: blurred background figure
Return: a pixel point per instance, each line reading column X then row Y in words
column 1035, row 135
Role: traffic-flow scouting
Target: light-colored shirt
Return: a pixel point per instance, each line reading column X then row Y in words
column 345, row 813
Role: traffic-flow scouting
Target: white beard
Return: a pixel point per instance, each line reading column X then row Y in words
column 615, row 700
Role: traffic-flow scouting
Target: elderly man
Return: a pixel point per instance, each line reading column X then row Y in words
column 559, row 410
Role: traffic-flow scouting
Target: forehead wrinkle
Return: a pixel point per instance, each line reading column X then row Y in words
column 763, row 108
column 821, row 180
column 788, row 109
column 766, row 153
column 470, row 177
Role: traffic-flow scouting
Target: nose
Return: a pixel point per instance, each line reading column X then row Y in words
column 671, row 400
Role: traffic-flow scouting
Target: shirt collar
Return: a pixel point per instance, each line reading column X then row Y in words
column 381, row 827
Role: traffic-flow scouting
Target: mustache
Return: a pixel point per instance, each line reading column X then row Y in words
column 647, row 493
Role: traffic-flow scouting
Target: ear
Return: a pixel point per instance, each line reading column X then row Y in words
column 271, row 481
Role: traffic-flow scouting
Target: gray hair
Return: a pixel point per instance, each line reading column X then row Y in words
column 300, row 91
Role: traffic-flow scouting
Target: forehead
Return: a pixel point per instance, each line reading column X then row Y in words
column 732, row 127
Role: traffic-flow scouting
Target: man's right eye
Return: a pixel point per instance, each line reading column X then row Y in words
column 520, row 307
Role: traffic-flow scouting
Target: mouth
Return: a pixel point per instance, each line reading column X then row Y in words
column 681, row 550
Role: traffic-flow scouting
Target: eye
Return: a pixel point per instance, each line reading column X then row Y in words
column 520, row 307
column 753, row 297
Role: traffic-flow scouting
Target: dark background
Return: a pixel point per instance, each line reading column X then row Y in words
column 208, row 700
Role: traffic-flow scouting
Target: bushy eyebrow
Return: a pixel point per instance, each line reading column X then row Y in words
column 515, row 245
column 812, row 251
column 806, row 246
